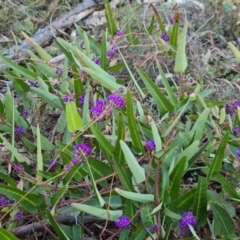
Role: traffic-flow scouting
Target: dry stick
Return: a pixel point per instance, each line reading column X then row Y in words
column 44, row 36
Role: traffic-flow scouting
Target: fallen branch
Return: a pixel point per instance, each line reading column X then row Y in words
column 40, row 226
column 46, row 35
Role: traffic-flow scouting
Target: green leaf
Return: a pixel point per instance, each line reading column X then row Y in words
column 146, row 217
column 167, row 87
column 151, row 26
column 137, row 171
column 99, row 170
column 74, row 121
column 5, row 235
column 181, row 58
column 136, row 197
column 39, row 153
column 86, row 44
column 165, row 184
column 235, row 51
column 174, row 35
column 164, row 106
column 78, row 85
column 104, row 53
column 95, row 46
column 8, row 180
column 156, row 137
column 57, row 196
column 139, row 234
column 222, row 221
column 112, row 28
column 105, row 145
column 159, row 20
column 200, row 202
column 216, row 165
column 20, row 70
column 44, row 55
column 176, row 177
column 56, row 227
column 132, row 126
column 48, row 97
column 70, row 175
column 111, row 215
column 124, row 234
column 185, row 201
column 28, row 201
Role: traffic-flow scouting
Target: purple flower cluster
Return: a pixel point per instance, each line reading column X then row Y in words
column 67, row 98
column 81, row 99
column 191, row 79
column 165, row 37
column 123, row 222
column 112, row 52
column 231, row 108
column 18, row 215
column 19, row 168
column 187, row 219
column 25, row 112
column 19, row 130
column 171, row 20
column 117, row 100
column 52, row 164
column 119, row 33
column 98, row 109
column 32, row 84
column 236, row 130
column 3, row 201
column 150, row 145
column 78, row 149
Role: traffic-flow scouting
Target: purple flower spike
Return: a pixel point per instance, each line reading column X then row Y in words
column 67, row 98
column 165, row 37
column 154, row 228
column 236, row 130
column 81, row 99
column 187, row 219
column 117, row 100
column 32, row 84
column 19, row 167
column 25, row 112
column 123, row 222
column 18, row 215
column 19, row 130
column 3, row 201
column 171, row 20
column 74, row 161
column 112, row 52
column 79, row 148
column 150, row 145
column 119, row 33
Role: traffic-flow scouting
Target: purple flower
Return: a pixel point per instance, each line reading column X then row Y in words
column 187, row 219
column 236, row 130
column 67, row 167
column 98, row 109
column 32, row 84
column 3, row 201
column 150, row 145
column 79, row 148
column 112, row 52
column 231, row 108
column 97, row 61
column 111, row 73
column 18, row 215
column 171, row 20
column 119, row 33
column 74, row 161
column 117, row 100
column 123, row 222
column 154, row 228
column 53, row 164
column 121, row 90
column 165, row 37
column 25, row 112
column 81, row 99
column 19, row 167
column 58, row 71
column 191, row 79
column 238, row 153
column 82, row 74
column 67, row 98
column 19, row 130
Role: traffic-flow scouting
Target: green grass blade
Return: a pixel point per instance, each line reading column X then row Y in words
column 112, row 28
column 104, row 53
column 56, row 197
column 39, row 154
column 5, row 235
column 159, row 20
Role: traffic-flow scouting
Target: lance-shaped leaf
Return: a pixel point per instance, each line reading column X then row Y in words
column 151, row 26
column 164, row 105
column 56, row 197
column 5, row 235
column 159, row 20
column 138, row 197
column 137, row 171
column 235, row 51
column 200, row 202
column 181, row 58
column 112, row 28
column 136, row 141
column 111, row 215
column 140, row 233
column 186, row 200
column 28, row 201
column 216, row 165
column 74, row 121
